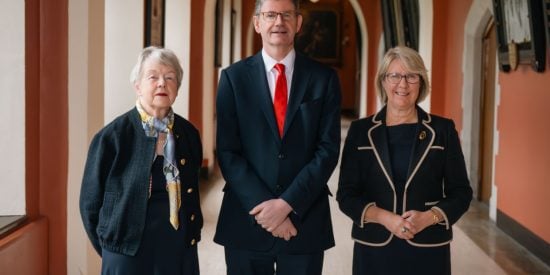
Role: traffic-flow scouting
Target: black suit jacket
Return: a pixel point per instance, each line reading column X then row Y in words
column 436, row 178
column 258, row 165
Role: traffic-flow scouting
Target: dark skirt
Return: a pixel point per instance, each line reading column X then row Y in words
column 163, row 250
column 399, row 257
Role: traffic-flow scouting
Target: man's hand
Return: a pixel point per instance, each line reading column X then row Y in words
column 286, row 230
column 271, row 213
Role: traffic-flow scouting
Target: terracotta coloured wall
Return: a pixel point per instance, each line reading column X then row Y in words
column 372, row 11
column 521, row 168
column 195, row 74
column 25, row 251
column 522, row 164
column 448, row 42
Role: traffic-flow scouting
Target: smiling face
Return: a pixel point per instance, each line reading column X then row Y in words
column 402, row 95
column 156, row 88
column 278, row 35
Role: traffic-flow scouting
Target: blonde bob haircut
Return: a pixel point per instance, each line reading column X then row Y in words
column 164, row 56
column 412, row 62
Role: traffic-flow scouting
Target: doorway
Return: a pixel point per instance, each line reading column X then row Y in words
column 487, row 113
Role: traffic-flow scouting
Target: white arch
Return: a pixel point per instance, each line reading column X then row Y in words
column 479, row 14
column 364, row 57
column 425, row 42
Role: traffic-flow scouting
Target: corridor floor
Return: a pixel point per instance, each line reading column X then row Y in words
column 478, row 247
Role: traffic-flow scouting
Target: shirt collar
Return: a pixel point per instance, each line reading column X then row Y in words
column 288, row 61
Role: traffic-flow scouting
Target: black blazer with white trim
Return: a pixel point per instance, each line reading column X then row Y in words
column 436, row 178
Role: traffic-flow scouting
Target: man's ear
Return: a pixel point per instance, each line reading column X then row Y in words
column 299, row 20
column 257, row 24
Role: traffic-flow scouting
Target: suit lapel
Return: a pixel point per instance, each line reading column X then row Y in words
column 300, row 80
column 379, row 139
column 258, row 78
column 423, row 141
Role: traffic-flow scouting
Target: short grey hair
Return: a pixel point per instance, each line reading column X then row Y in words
column 259, row 4
column 412, row 61
column 164, row 56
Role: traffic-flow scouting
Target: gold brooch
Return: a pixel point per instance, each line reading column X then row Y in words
column 422, row 135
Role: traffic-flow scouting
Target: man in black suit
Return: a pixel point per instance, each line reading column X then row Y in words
column 278, row 141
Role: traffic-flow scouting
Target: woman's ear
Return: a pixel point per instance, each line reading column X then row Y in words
column 137, row 88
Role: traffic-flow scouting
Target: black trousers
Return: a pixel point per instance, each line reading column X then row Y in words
column 247, row 262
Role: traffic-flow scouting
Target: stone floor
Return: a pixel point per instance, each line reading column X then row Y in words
column 478, row 247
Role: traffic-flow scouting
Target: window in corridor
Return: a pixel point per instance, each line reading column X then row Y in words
column 12, row 113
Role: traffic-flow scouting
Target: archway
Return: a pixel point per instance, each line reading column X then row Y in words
column 480, row 13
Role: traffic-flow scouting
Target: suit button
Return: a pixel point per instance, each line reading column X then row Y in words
column 190, row 190
column 193, row 242
column 278, row 187
column 192, row 217
column 182, row 162
column 281, row 156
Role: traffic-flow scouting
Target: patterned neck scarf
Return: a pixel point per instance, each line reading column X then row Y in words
column 152, row 127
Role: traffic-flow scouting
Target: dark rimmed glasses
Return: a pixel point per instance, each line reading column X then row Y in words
column 271, row 16
column 395, row 78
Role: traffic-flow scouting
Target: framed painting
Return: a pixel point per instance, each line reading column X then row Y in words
column 320, row 34
column 154, row 23
column 520, row 34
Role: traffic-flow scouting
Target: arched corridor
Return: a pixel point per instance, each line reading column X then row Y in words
column 69, row 63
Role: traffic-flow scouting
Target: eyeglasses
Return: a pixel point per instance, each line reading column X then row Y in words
column 271, row 16
column 395, row 78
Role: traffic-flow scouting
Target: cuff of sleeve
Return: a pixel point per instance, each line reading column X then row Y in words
column 445, row 220
column 362, row 219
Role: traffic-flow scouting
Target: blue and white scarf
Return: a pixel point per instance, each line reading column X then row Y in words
column 152, row 127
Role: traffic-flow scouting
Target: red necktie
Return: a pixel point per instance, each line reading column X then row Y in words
column 280, row 102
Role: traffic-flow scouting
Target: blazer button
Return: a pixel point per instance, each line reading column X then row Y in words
column 281, row 156
column 182, row 162
column 192, row 217
column 278, row 188
column 190, row 190
column 193, row 242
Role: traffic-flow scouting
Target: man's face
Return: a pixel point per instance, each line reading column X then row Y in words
column 278, row 23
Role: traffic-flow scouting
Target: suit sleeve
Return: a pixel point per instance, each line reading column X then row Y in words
column 458, row 192
column 238, row 174
column 350, row 195
column 93, row 183
column 312, row 179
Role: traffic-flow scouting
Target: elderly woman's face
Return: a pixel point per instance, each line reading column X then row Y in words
column 157, row 88
column 401, row 86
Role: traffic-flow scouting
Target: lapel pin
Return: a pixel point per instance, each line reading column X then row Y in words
column 422, row 135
